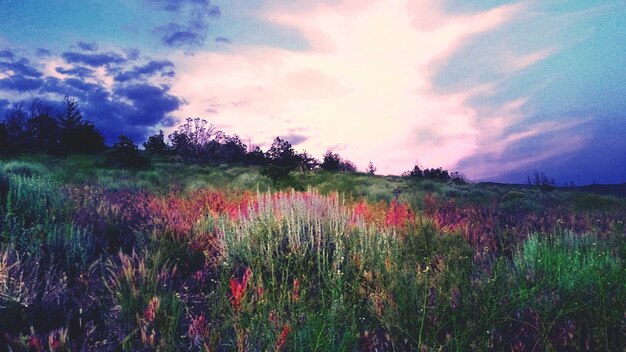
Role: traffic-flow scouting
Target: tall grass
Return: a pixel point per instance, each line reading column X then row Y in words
column 191, row 258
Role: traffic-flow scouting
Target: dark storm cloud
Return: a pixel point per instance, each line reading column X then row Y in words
column 149, row 69
column 150, row 104
column 94, row 60
column 19, row 67
column 79, row 71
column 7, row 54
column 87, row 46
column 20, row 83
column 133, row 106
column 193, row 30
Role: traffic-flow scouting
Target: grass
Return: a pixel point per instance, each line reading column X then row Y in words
column 188, row 257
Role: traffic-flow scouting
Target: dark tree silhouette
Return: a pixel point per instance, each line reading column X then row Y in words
column 542, row 181
column 156, row 144
column 371, row 169
column 307, row 162
column 255, row 157
column 231, row 150
column 125, row 153
column 281, row 154
column 331, row 161
column 76, row 134
column 197, row 140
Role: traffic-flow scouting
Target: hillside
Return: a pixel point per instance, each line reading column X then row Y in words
column 179, row 256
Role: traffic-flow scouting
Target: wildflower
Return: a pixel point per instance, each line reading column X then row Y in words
column 198, row 330
column 282, row 339
column 295, row 292
column 150, row 313
column 238, row 289
column 35, row 343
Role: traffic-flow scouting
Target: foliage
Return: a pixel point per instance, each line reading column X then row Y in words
column 201, row 257
column 38, row 130
column 540, row 180
column 125, row 154
column 156, row 144
column 371, row 169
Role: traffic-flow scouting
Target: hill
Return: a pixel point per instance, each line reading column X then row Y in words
column 180, row 256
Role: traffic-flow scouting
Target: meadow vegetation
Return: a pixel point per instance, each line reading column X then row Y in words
column 186, row 256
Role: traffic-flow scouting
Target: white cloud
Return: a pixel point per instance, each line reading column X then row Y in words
column 365, row 83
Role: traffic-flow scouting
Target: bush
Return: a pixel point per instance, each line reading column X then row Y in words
column 125, row 154
column 24, row 169
column 542, row 181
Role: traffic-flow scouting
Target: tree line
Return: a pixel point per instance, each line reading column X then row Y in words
column 38, row 129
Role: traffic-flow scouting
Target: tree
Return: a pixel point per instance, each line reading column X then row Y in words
column 156, row 144
column 43, row 134
column 76, row 135
column 347, row 166
column 307, row 162
column 281, row 154
column 371, row 169
column 196, row 139
column 542, row 181
column 125, row 153
column 255, row 156
column 331, row 161
column 415, row 173
column 231, row 150
column 437, row 174
column 16, row 120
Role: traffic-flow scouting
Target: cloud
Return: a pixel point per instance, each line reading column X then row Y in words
column 20, row 66
column 191, row 32
column 150, row 104
column 222, row 40
column 174, row 34
column 20, row 83
column 134, row 106
column 43, row 52
column 76, row 71
column 94, row 60
column 365, row 81
column 7, row 54
column 87, row 46
column 152, row 67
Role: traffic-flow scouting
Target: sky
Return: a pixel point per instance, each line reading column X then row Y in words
column 492, row 89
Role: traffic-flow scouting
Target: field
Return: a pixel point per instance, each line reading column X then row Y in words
column 188, row 257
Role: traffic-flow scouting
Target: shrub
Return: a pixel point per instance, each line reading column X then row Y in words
column 125, row 154
column 23, row 168
column 156, row 144
column 542, row 181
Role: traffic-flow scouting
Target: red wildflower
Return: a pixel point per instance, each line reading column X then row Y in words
column 282, row 339
column 398, row 214
column 295, row 292
column 238, row 289
column 150, row 313
column 34, row 342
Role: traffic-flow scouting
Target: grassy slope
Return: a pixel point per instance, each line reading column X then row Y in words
column 480, row 266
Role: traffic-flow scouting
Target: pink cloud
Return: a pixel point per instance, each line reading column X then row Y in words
column 365, row 83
